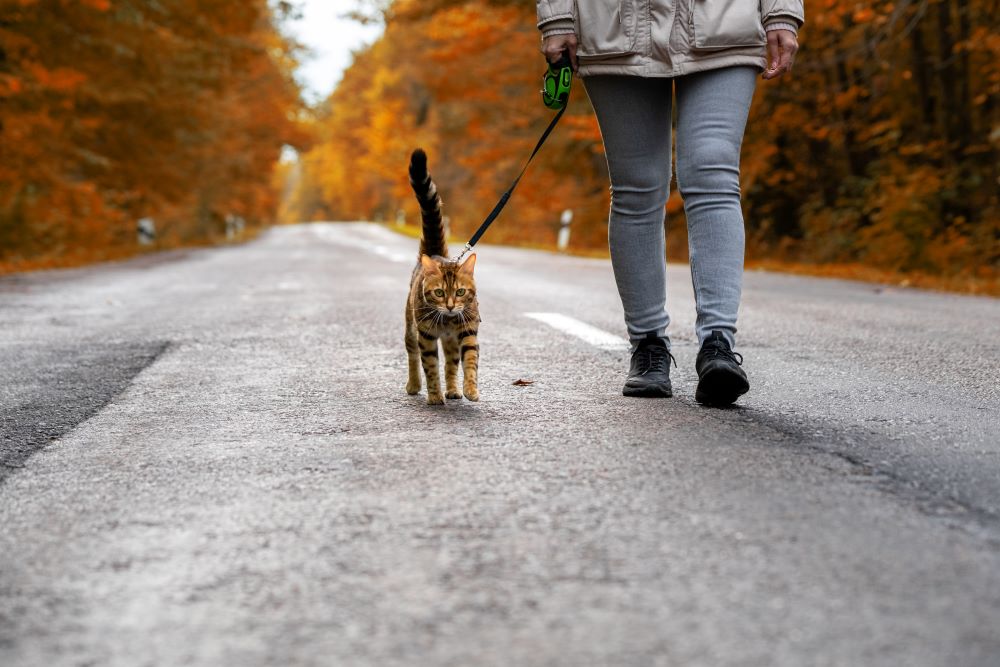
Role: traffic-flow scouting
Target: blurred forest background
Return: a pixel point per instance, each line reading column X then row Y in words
column 877, row 158
column 115, row 110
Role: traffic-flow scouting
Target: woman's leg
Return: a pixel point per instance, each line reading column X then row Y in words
column 634, row 115
column 712, row 110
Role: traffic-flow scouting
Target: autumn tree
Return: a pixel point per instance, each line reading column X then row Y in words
column 880, row 149
column 112, row 110
column 477, row 115
column 883, row 147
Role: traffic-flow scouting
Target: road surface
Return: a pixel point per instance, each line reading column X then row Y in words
column 208, row 458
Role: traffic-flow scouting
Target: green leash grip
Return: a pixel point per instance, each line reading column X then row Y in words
column 556, row 82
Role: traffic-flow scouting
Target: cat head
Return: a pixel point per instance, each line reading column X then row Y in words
column 448, row 287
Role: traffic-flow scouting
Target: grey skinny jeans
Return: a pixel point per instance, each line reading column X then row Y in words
column 635, row 118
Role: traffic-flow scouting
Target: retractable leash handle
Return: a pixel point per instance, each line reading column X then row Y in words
column 556, row 84
column 557, row 81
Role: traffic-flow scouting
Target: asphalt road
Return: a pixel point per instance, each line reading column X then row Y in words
column 208, row 458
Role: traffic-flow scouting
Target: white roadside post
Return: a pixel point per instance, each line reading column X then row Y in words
column 563, row 241
column 235, row 225
column 146, row 230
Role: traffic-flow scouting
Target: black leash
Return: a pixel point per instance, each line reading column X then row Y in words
column 506, row 195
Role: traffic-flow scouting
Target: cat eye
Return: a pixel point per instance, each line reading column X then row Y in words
column 460, row 291
column 439, row 292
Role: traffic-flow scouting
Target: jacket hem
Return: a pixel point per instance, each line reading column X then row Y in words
column 650, row 68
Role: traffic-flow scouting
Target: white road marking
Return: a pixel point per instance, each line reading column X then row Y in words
column 392, row 255
column 599, row 338
column 341, row 234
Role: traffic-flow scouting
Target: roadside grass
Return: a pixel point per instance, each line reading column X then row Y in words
column 86, row 256
column 984, row 285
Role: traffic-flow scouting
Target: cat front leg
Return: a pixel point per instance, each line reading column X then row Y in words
column 451, row 361
column 413, row 361
column 429, row 359
column 470, row 364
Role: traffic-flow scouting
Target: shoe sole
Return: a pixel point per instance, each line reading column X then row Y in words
column 649, row 391
column 720, row 387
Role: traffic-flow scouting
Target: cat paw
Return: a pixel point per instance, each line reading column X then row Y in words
column 472, row 393
column 435, row 399
column 412, row 389
column 453, row 393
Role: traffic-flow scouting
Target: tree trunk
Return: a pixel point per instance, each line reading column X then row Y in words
column 965, row 124
column 920, row 74
column 946, row 80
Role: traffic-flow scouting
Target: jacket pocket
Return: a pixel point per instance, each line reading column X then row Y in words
column 605, row 27
column 725, row 24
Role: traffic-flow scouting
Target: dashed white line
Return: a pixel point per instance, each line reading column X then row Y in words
column 599, row 338
column 340, row 234
column 392, row 255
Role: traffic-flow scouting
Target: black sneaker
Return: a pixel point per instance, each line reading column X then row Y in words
column 649, row 372
column 720, row 379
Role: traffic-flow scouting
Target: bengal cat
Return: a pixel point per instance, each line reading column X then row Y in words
column 442, row 303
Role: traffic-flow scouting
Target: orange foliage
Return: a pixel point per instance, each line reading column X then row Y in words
column 880, row 149
column 109, row 112
column 462, row 82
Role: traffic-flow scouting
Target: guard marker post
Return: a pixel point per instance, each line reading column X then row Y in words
column 563, row 241
column 146, row 230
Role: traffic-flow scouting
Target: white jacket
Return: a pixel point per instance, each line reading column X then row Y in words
column 667, row 38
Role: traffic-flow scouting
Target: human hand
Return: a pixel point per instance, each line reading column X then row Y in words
column 781, row 48
column 554, row 46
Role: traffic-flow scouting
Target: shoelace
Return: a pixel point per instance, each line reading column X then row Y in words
column 724, row 352
column 655, row 358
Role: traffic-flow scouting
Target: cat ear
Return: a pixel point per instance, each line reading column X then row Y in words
column 430, row 266
column 468, row 265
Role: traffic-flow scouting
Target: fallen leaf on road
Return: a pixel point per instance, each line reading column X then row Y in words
column 523, row 383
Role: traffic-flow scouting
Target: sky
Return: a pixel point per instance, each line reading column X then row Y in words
column 331, row 39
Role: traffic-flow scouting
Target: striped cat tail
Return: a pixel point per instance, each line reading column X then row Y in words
column 433, row 241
